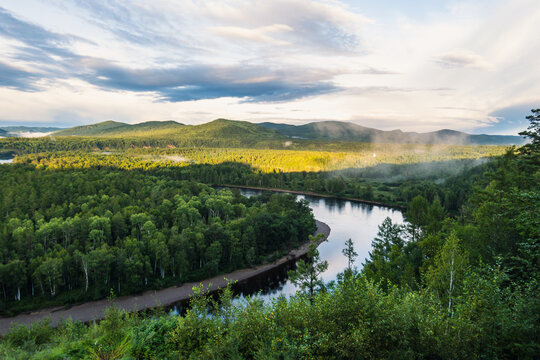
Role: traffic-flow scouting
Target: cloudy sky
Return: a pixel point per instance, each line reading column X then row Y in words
column 416, row 65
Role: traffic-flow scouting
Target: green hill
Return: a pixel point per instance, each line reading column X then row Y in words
column 231, row 133
column 346, row 131
column 102, row 128
column 220, row 132
column 231, row 129
column 114, row 128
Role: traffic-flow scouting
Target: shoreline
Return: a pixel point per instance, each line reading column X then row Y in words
column 95, row 310
column 310, row 193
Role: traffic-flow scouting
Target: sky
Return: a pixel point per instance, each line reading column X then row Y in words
column 414, row 65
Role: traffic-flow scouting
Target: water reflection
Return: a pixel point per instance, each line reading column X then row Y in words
column 6, row 161
column 346, row 219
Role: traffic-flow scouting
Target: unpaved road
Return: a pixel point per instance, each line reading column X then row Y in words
column 94, row 310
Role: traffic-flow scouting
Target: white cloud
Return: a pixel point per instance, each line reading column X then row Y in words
column 259, row 34
column 463, row 58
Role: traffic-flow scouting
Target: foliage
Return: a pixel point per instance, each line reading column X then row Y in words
column 306, row 275
column 444, row 288
column 72, row 235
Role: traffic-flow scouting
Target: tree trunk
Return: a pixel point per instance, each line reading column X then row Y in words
column 84, row 263
column 451, row 287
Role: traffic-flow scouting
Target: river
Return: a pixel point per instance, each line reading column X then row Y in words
column 6, row 161
column 347, row 219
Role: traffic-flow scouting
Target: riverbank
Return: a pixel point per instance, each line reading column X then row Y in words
column 309, row 193
column 95, row 310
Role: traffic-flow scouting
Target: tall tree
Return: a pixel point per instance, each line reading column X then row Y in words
column 448, row 270
column 350, row 254
column 307, row 273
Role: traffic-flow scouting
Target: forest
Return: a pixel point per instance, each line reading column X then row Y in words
column 458, row 280
column 390, row 184
column 73, row 235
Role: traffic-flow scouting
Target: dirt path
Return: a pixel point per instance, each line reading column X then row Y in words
column 94, row 310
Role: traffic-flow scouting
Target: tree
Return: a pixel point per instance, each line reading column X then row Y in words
column 138, row 221
column 416, row 215
column 306, row 275
column 387, row 257
column 83, row 260
column 533, row 131
column 350, row 254
column 434, row 216
column 49, row 274
column 17, row 273
column 448, row 270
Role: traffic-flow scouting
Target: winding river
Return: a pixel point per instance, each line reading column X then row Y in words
column 347, row 219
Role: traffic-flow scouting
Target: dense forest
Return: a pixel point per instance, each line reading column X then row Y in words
column 443, row 285
column 72, row 235
column 270, row 160
column 391, row 184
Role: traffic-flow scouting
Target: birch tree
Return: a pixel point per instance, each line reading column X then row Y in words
column 446, row 274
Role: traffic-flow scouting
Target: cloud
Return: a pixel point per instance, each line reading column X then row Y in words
column 511, row 119
column 325, row 26
column 251, row 83
column 14, row 78
column 35, row 36
column 195, row 82
column 286, row 59
column 129, row 20
column 259, row 34
column 463, row 59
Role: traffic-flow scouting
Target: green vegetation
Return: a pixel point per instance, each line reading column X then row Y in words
column 323, row 130
column 273, row 160
column 113, row 128
column 394, row 184
column 219, row 133
column 438, row 287
column 338, row 130
column 306, row 275
column 69, row 236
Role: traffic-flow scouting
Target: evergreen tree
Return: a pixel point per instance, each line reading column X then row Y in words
column 307, row 273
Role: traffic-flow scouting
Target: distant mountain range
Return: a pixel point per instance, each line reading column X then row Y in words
column 220, row 132
column 246, row 132
column 346, row 131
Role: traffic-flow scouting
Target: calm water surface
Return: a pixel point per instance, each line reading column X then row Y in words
column 346, row 219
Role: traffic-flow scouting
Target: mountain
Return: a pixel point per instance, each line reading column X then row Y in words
column 223, row 128
column 114, row 128
column 217, row 133
column 102, row 128
column 230, row 133
column 346, row 131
